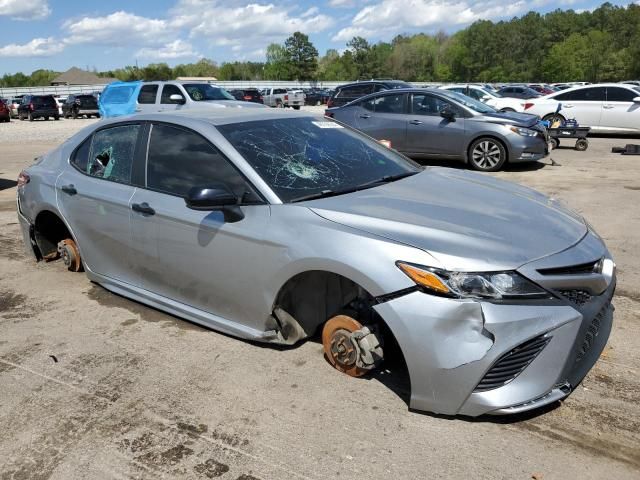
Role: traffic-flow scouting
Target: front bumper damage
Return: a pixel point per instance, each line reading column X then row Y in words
column 450, row 346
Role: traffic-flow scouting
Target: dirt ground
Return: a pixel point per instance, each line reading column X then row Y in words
column 96, row 386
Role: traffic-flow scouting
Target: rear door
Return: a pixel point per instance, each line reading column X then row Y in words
column 148, row 98
column 202, row 261
column 430, row 134
column 619, row 112
column 585, row 105
column 383, row 117
column 94, row 198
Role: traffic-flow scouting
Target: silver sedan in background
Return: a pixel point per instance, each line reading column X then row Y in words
column 437, row 123
column 277, row 226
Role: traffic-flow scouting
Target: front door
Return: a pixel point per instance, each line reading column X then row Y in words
column 204, row 261
column 94, row 199
column 428, row 133
column 619, row 110
column 585, row 105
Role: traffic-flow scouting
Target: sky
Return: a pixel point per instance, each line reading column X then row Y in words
column 59, row 34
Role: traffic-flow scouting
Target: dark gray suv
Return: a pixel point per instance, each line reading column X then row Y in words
column 352, row 91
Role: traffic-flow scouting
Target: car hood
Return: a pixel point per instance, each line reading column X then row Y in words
column 465, row 220
column 510, row 118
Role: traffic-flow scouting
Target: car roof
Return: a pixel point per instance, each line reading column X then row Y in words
column 218, row 116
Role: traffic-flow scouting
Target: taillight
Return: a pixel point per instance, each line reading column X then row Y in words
column 328, row 114
column 247, row 97
column 31, row 107
column 23, row 179
column 528, row 105
column 330, row 103
column 286, row 97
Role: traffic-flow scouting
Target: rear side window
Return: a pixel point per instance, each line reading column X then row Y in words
column 179, row 160
column 148, row 94
column 112, row 151
column 594, row 94
column 355, row 91
column 80, row 158
column 615, row 94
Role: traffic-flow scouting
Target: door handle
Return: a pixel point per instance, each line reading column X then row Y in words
column 143, row 208
column 364, row 115
column 567, row 105
column 415, row 122
column 608, row 107
column 138, row 109
column 69, row 189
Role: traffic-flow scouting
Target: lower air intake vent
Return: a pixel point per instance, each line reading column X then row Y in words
column 592, row 332
column 511, row 364
column 578, row 297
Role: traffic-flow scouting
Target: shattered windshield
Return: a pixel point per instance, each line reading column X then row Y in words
column 306, row 156
column 200, row 92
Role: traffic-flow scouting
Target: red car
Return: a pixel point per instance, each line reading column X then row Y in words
column 542, row 89
column 5, row 112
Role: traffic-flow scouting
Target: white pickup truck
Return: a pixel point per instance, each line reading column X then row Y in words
column 281, row 98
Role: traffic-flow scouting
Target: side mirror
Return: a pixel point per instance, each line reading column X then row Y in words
column 636, row 100
column 215, row 197
column 485, row 98
column 448, row 114
column 179, row 99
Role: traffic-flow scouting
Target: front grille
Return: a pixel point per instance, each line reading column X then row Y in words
column 577, row 297
column 511, row 364
column 592, row 332
column 589, row 267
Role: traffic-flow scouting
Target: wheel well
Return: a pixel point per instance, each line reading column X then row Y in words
column 49, row 229
column 492, row 137
column 313, row 297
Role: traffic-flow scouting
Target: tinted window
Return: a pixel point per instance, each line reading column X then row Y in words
column 423, row 104
column 388, row 103
column 595, row 94
column 80, row 157
column 112, row 151
column 148, row 94
column 304, row 156
column 615, row 94
column 279, row 91
column 167, row 91
column 44, row 100
column 180, row 160
column 355, row 91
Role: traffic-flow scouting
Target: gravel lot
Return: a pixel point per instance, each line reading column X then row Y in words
column 96, row 386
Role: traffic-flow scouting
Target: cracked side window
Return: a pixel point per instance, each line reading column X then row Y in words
column 112, row 152
column 303, row 156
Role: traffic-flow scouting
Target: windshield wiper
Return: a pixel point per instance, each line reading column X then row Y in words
column 322, row 194
column 333, row 193
column 385, row 179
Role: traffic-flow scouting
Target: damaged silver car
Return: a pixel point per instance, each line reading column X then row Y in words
column 277, row 226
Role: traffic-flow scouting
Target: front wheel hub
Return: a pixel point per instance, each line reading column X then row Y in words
column 350, row 347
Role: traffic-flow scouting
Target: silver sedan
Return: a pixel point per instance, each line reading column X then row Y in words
column 277, row 226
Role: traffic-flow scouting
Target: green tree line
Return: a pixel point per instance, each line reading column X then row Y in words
column 560, row 46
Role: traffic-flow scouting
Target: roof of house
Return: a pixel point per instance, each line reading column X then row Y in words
column 75, row 76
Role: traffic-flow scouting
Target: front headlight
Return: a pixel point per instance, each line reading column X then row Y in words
column 525, row 132
column 489, row 285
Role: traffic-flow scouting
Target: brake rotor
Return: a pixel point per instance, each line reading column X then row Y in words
column 341, row 352
column 70, row 254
